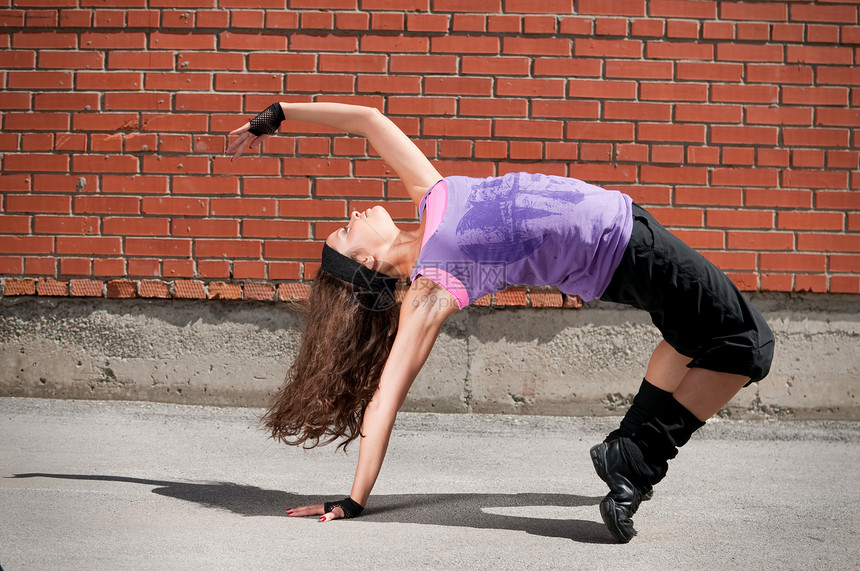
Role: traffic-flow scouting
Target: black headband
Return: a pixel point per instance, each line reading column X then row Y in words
column 347, row 269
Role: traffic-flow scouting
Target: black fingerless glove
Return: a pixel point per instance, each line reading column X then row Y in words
column 267, row 122
column 350, row 507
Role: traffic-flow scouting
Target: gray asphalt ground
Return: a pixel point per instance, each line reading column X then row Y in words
column 127, row 485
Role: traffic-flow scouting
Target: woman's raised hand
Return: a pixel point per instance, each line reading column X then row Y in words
column 246, row 140
column 318, row 509
column 254, row 132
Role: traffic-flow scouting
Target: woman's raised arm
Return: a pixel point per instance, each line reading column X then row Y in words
column 395, row 148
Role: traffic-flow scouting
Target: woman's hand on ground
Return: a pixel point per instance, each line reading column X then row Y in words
column 317, row 509
column 245, row 140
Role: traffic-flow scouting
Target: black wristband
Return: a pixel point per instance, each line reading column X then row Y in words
column 267, row 122
column 350, row 507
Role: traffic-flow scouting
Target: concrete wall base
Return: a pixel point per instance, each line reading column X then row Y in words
column 588, row 361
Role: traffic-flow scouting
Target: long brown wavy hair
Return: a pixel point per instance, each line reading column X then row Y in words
column 346, row 340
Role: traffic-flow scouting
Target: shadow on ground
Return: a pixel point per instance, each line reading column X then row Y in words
column 459, row 510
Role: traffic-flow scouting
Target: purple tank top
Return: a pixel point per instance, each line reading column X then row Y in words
column 482, row 235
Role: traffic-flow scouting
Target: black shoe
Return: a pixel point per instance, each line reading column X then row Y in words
column 647, row 491
column 612, row 463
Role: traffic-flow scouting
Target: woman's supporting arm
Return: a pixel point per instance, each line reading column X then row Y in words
column 395, row 148
column 425, row 308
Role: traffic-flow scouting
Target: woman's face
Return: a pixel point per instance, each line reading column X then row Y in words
column 369, row 232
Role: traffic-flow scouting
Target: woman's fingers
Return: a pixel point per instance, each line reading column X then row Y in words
column 317, row 509
column 245, row 140
column 303, row 511
column 335, row 513
column 241, row 129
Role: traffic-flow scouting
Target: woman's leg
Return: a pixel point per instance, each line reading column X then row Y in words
column 701, row 391
column 704, row 392
column 666, row 368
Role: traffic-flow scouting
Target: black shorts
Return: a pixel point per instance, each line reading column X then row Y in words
column 697, row 308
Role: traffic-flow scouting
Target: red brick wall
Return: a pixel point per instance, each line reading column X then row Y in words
column 736, row 123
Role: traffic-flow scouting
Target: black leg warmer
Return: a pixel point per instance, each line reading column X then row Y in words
column 646, row 404
column 660, row 437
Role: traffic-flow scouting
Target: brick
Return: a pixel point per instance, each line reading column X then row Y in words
column 776, row 282
column 779, row 115
column 52, row 287
column 780, row 74
column 707, row 113
column 242, row 207
column 638, row 70
column 64, row 225
column 293, row 291
column 845, row 284
column 767, row 11
column 820, row 13
column 568, row 67
column 778, row 198
column 738, row 156
column 510, row 297
column 739, row 218
column 837, row 200
column 792, row 262
column 189, row 289
column 497, row 107
column 427, row 64
column 228, row 248
column 515, row 87
column 673, row 175
column 528, row 129
column 249, row 269
column 682, row 9
column 679, row 50
column 108, row 267
column 398, row 44
column 224, row 290
column 728, row 261
column 481, row 23
column 753, row 32
column 744, row 94
column 819, row 242
column 803, row 282
column 466, row 45
column 816, row 137
column 610, row 27
column 672, row 133
column 427, row 23
column 811, row 220
column 39, row 80
column 819, row 55
column 154, row 289
column 814, row 179
column 19, row 286
column 544, row 298
column 389, row 84
column 602, row 89
column 837, row 117
column 144, row 267
column 259, row 291
column 744, row 177
column 760, row 241
column 121, row 289
column 845, row 263
column 86, row 288
column 589, row 47
column 724, row 134
column 549, row 6
column 719, row 72
column 609, row 131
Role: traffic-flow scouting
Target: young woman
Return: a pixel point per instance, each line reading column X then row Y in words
column 361, row 351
